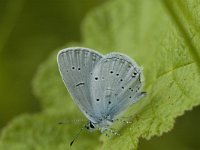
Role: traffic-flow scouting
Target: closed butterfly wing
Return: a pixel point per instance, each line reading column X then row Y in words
column 115, row 85
column 75, row 66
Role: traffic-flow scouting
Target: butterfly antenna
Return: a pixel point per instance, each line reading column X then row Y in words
column 71, row 122
column 77, row 135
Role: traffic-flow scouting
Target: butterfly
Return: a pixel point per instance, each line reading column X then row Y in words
column 102, row 86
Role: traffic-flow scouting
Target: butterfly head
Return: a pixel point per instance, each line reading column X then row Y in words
column 90, row 126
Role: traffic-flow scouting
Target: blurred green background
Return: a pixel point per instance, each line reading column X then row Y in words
column 29, row 31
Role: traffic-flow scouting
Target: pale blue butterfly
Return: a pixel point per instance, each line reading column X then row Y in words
column 102, row 86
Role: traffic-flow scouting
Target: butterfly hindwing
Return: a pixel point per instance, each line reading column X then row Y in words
column 115, row 84
column 75, row 66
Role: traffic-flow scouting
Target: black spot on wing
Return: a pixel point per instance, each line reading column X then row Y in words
column 81, row 83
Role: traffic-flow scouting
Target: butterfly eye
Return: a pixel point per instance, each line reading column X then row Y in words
column 91, row 125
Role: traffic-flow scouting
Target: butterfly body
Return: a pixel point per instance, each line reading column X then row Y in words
column 102, row 86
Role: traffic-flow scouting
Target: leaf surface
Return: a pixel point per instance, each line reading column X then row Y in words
column 145, row 31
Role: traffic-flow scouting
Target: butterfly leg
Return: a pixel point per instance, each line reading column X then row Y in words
column 121, row 120
column 113, row 131
column 124, row 121
column 103, row 130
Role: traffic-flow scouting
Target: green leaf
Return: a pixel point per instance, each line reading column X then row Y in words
column 42, row 131
column 145, row 31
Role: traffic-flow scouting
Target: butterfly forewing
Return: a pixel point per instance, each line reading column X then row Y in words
column 75, row 66
column 115, row 84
